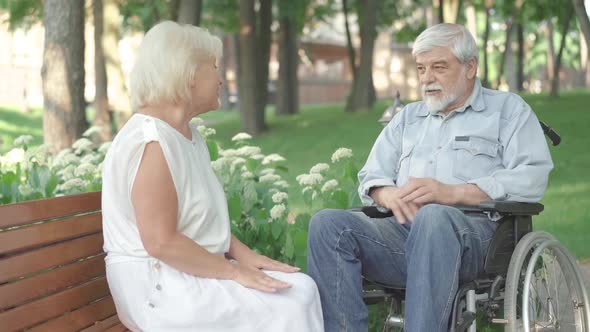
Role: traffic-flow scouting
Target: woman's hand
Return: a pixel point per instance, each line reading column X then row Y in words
column 251, row 277
column 265, row 263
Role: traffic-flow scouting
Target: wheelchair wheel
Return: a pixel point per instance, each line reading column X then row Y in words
column 544, row 289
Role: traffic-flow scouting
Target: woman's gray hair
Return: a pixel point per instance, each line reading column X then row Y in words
column 167, row 60
column 454, row 36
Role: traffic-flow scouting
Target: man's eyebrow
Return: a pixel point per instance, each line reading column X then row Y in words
column 439, row 62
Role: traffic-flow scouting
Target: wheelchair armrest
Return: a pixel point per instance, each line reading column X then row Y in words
column 505, row 208
column 502, row 207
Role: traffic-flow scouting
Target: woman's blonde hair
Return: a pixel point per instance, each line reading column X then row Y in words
column 168, row 58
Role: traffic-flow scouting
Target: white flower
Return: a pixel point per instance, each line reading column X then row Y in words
column 41, row 153
column 247, row 175
column 82, row 145
column 238, row 161
column 92, row 130
column 25, row 189
column 309, row 179
column 341, row 153
column 104, row 147
column 67, row 172
column 89, row 159
column 85, row 169
column 247, row 151
column 241, row 137
column 265, row 171
column 282, row 184
column 329, row 185
column 22, row 140
column 206, row 132
column 319, row 168
column 314, row 195
column 277, row 211
column 197, row 121
column 70, row 159
column 279, row 197
column 269, row 178
column 13, row 157
column 219, row 164
column 73, row 184
column 229, row 153
column 306, row 189
column 272, row 158
column 257, row 156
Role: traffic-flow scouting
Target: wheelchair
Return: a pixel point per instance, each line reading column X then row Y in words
column 530, row 281
column 525, row 273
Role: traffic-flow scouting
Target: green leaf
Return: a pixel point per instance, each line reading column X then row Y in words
column 213, row 150
column 261, row 217
column 302, row 221
column 300, row 241
column 276, row 228
column 340, row 199
column 235, row 207
column 289, row 246
column 351, row 171
column 252, row 164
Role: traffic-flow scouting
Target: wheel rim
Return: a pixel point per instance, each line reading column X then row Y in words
column 550, row 301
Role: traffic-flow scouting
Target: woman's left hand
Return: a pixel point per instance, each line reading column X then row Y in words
column 265, row 263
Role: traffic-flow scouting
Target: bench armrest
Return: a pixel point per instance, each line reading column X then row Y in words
column 501, row 207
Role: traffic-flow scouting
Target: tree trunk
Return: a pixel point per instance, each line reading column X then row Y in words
column 550, row 50
column 223, row 64
column 288, row 87
column 565, row 28
column 349, row 46
column 471, row 16
column 359, row 98
column 486, row 37
column 507, row 50
column 189, row 12
column 251, row 118
column 263, row 58
column 520, row 58
column 451, row 11
column 173, row 7
column 441, row 10
column 117, row 89
column 62, row 73
column 580, row 9
column 102, row 116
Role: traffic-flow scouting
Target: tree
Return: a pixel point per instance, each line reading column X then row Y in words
column 63, row 72
column 360, row 96
column 189, row 11
column 102, row 115
column 565, row 21
column 264, row 39
column 582, row 17
column 251, row 117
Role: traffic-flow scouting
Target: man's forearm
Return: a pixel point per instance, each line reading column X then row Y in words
column 469, row 194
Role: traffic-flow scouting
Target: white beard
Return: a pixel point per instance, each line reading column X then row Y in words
column 437, row 104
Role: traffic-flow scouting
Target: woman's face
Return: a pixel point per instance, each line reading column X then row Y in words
column 205, row 87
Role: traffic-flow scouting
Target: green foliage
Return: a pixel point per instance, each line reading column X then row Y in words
column 22, row 13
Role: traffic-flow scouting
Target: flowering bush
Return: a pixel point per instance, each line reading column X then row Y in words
column 34, row 173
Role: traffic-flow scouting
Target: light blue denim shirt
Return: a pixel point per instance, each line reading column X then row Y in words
column 494, row 141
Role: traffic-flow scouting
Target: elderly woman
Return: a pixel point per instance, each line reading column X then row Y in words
column 172, row 263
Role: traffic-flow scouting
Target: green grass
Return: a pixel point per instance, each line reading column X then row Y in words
column 311, row 137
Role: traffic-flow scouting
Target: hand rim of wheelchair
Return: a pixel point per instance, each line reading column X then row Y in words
column 539, row 242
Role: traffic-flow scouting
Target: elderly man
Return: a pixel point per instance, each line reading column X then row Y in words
column 463, row 144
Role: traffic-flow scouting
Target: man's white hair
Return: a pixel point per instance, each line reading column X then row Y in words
column 168, row 58
column 454, row 36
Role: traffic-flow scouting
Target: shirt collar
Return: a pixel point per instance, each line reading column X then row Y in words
column 475, row 101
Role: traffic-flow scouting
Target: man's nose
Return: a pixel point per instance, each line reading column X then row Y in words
column 427, row 77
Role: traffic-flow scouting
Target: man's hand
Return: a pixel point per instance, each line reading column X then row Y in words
column 389, row 197
column 426, row 190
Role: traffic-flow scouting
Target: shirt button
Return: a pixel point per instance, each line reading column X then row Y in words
column 157, row 265
column 151, row 305
column 159, row 287
column 430, row 162
column 439, row 147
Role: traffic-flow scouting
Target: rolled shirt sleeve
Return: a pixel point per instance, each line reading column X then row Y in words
column 526, row 161
column 381, row 166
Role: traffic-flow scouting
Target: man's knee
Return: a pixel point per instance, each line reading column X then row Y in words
column 436, row 218
column 326, row 224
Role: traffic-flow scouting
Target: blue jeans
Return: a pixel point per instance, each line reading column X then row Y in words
column 429, row 257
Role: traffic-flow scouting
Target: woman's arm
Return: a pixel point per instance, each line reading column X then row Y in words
column 155, row 203
column 245, row 255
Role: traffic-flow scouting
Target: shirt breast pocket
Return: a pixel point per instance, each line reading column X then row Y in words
column 475, row 157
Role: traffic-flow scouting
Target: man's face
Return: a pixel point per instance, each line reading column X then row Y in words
column 443, row 79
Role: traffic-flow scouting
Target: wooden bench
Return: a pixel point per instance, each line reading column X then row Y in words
column 52, row 271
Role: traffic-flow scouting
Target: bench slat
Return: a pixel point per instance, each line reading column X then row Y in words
column 47, row 257
column 32, row 211
column 104, row 325
column 28, row 289
column 49, row 232
column 49, row 307
column 117, row 328
column 81, row 318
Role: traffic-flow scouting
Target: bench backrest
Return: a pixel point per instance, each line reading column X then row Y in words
column 52, row 271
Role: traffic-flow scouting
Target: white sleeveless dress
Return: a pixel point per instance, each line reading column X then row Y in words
column 152, row 296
